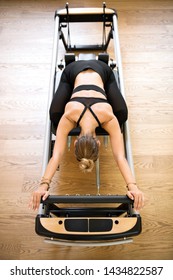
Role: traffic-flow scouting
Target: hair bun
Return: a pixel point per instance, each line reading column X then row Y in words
column 86, row 165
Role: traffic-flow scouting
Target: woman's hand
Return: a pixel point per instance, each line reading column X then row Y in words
column 137, row 195
column 36, row 197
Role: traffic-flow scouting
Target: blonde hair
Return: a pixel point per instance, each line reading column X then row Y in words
column 86, row 152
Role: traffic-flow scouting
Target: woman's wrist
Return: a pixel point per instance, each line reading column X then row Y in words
column 44, row 186
column 45, row 180
column 131, row 186
column 45, row 183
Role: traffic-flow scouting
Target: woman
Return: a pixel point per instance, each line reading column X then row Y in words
column 88, row 96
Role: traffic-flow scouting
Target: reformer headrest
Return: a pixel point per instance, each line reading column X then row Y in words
column 86, row 56
column 70, row 57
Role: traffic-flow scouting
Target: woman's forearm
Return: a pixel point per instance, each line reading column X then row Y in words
column 125, row 170
column 51, row 168
column 133, row 191
column 42, row 190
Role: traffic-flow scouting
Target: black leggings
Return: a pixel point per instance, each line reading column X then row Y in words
column 66, row 85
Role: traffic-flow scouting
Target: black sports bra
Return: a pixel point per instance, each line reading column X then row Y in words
column 89, row 87
column 88, row 101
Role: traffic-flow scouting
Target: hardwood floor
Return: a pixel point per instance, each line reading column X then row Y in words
column 145, row 31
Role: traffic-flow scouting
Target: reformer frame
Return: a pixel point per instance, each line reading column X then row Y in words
column 87, row 226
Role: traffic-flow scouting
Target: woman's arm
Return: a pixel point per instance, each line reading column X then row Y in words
column 117, row 144
column 64, row 127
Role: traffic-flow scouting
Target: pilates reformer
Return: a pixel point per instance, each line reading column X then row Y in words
column 109, row 219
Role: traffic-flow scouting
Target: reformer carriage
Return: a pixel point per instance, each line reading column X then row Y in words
column 115, row 221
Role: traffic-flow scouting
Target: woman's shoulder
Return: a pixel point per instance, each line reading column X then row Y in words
column 111, row 124
column 72, row 111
